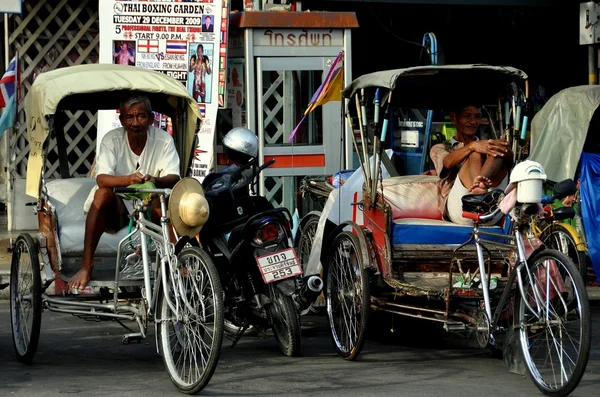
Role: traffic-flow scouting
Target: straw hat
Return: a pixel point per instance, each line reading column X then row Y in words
column 188, row 208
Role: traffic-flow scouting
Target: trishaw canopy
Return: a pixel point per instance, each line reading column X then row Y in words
column 439, row 87
column 559, row 130
column 100, row 87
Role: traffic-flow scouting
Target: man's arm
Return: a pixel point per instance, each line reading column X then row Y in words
column 167, row 181
column 457, row 156
column 111, row 181
column 489, row 147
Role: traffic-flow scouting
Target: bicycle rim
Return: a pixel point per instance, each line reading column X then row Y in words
column 348, row 296
column 191, row 344
column 555, row 342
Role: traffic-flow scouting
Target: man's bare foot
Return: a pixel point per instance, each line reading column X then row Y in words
column 80, row 279
column 480, row 185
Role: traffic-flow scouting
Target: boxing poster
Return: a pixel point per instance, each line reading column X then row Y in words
column 183, row 39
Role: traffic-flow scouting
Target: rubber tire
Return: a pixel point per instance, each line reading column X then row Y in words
column 364, row 307
column 307, row 234
column 289, row 338
column 585, row 323
column 163, row 311
column 25, row 350
column 578, row 257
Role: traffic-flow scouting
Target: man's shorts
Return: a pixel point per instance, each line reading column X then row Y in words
column 454, row 204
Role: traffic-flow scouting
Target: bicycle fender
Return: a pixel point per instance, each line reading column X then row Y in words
column 575, row 236
column 362, row 238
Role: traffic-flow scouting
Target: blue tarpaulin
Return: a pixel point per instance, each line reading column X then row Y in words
column 590, row 205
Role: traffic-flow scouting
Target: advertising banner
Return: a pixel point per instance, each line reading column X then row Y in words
column 236, row 91
column 183, row 39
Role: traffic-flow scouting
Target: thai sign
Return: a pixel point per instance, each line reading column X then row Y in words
column 298, row 37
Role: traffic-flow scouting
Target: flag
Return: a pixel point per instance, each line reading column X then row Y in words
column 330, row 90
column 176, row 47
column 8, row 83
column 147, row 46
column 8, row 96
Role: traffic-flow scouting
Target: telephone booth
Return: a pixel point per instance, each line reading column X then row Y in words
column 285, row 56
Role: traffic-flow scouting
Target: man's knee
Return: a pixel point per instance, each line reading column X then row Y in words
column 104, row 199
column 104, row 196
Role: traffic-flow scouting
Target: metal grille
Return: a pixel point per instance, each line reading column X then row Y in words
column 273, row 106
column 51, row 34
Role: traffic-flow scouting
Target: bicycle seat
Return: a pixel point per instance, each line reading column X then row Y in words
column 562, row 213
column 482, row 203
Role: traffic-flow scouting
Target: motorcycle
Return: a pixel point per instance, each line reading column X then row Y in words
column 251, row 244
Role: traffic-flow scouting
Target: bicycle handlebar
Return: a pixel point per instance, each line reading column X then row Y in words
column 136, row 190
column 480, row 218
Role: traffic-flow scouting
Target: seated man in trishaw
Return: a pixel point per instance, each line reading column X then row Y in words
column 468, row 165
column 133, row 154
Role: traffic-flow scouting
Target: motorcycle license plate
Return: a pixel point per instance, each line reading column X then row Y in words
column 279, row 265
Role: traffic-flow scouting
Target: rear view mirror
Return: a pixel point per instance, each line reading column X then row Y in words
column 564, row 188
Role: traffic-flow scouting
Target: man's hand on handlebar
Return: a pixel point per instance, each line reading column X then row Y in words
column 136, row 178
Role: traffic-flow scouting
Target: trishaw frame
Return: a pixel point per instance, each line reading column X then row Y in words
column 374, row 237
column 164, row 292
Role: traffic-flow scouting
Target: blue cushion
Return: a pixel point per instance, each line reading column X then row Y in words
column 429, row 231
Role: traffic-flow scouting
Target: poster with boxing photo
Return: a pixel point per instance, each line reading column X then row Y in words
column 186, row 40
column 200, row 71
column 124, row 52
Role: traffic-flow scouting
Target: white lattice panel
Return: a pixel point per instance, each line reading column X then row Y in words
column 49, row 35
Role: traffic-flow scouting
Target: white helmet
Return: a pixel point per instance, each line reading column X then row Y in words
column 241, row 145
column 528, row 170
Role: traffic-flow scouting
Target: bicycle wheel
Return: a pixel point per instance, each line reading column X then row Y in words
column 25, row 298
column 348, row 296
column 558, row 237
column 555, row 343
column 285, row 321
column 190, row 343
column 307, row 236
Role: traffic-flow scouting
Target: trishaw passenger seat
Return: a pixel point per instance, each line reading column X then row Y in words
column 431, row 231
column 68, row 196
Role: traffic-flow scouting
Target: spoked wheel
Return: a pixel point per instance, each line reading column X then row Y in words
column 285, row 321
column 25, row 297
column 558, row 237
column 307, row 236
column 190, row 343
column 348, row 295
column 555, row 336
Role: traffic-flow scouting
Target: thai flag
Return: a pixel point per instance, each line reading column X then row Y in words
column 8, row 83
column 330, row 90
column 202, row 108
column 176, row 47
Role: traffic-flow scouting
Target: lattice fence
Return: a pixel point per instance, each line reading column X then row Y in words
column 51, row 34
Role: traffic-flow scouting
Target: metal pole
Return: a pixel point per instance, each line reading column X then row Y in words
column 592, row 66
column 6, row 138
column 6, row 53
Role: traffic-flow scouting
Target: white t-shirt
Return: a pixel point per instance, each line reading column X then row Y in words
column 115, row 157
